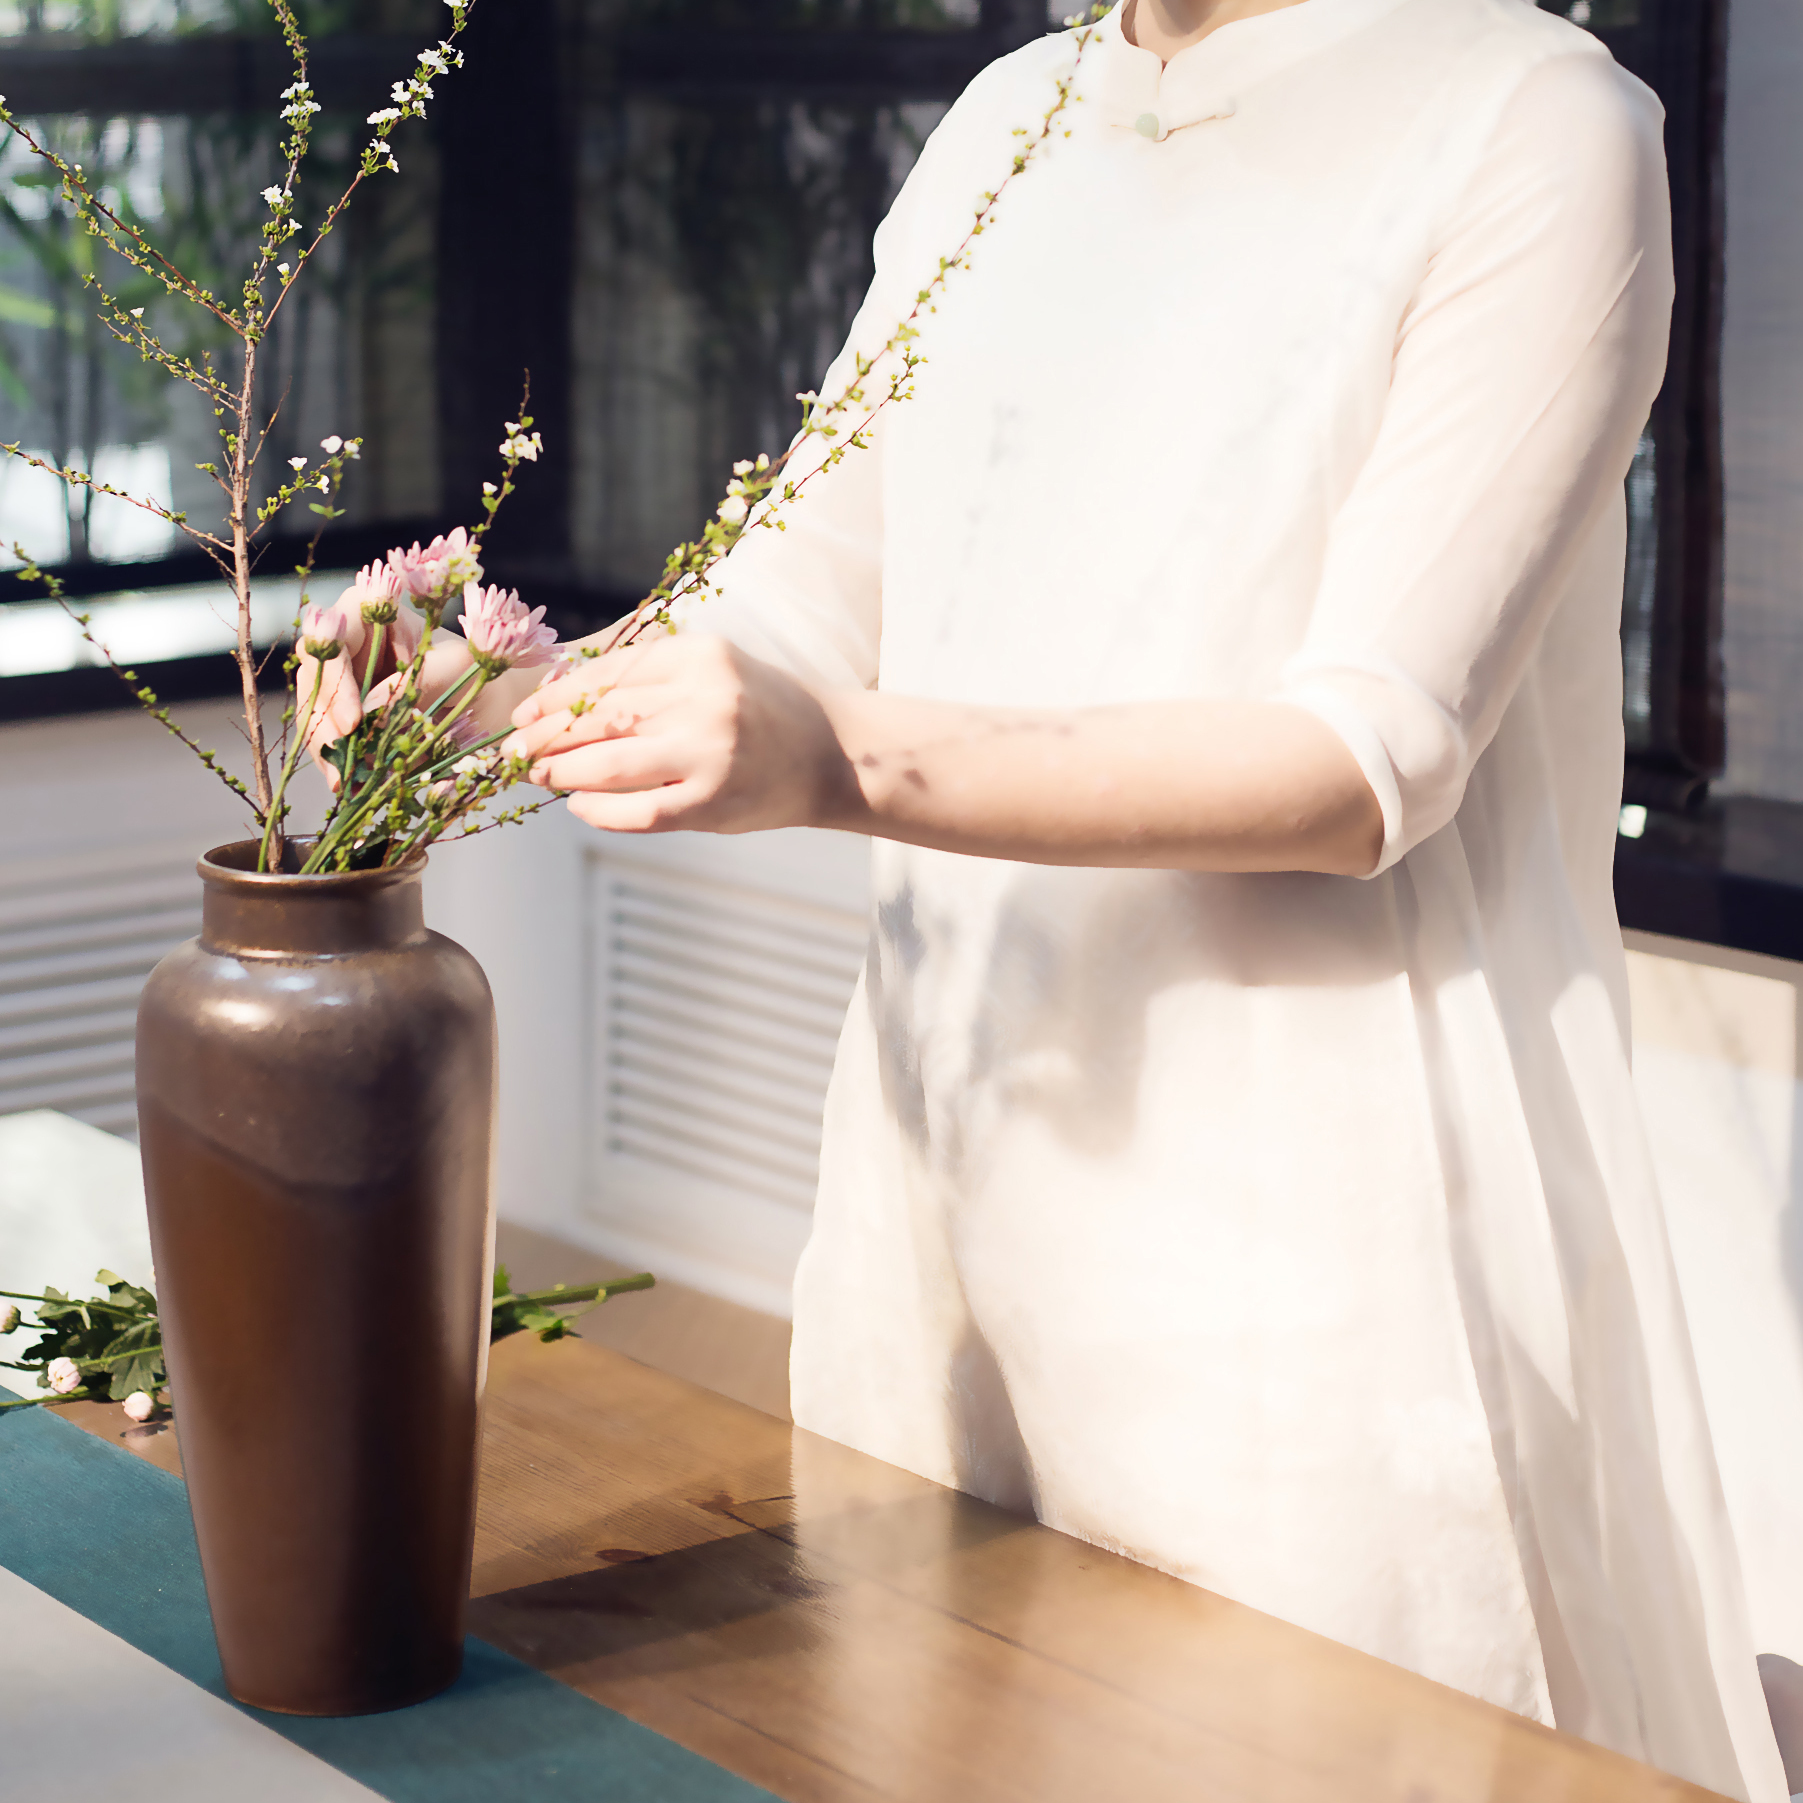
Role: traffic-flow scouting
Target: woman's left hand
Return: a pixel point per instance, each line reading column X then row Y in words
column 683, row 733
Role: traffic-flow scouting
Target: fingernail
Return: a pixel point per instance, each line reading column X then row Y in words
column 514, row 745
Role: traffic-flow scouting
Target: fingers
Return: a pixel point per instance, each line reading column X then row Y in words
column 613, row 766
column 648, row 811
column 612, row 715
column 636, row 666
column 556, row 696
column 336, row 707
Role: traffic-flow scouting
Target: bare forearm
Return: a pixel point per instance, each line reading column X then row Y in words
column 1197, row 785
column 690, row 733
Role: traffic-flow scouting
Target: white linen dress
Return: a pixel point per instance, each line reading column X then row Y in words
column 1294, row 1234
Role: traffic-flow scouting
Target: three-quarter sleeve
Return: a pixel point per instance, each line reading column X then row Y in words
column 1524, row 370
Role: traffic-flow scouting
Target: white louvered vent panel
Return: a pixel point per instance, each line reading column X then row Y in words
column 719, row 1007
column 78, row 936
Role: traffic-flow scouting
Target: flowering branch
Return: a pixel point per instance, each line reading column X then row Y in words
column 521, row 445
column 81, row 479
column 142, row 691
column 102, row 222
column 235, row 406
column 408, row 100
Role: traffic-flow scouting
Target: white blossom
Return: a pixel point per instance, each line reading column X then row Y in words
column 733, row 509
column 281, row 269
column 332, row 446
column 382, row 115
column 137, row 312
column 64, row 1375
column 274, row 195
column 297, row 463
column 488, row 488
column 742, row 467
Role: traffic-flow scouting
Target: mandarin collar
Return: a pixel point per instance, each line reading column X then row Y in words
column 1129, row 88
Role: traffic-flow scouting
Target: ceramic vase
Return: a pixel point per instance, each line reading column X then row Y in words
column 316, row 1090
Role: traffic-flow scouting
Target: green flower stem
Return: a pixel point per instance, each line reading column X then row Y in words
column 473, row 670
column 381, row 788
column 119, row 1358
column 457, row 757
column 84, row 1394
column 396, row 709
column 582, row 1292
column 350, row 798
column 377, row 633
column 468, row 701
column 298, row 744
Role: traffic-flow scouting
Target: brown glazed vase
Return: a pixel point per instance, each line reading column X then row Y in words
column 316, row 1089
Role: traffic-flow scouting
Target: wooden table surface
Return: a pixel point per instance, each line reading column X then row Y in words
column 834, row 1628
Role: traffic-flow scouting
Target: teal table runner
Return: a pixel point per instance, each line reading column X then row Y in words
column 111, row 1537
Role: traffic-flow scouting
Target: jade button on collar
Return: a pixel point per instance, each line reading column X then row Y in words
column 1146, row 125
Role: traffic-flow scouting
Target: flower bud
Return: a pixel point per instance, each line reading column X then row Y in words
column 379, row 613
column 9, row 1318
column 64, row 1376
column 139, row 1406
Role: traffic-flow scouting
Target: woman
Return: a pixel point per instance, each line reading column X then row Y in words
column 1231, row 1154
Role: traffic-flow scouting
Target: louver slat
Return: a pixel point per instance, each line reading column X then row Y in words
column 78, row 937
column 718, row 1010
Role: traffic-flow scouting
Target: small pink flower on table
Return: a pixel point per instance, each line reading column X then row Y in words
column 139, row 1405
column 502, row 633
column 64, row 1375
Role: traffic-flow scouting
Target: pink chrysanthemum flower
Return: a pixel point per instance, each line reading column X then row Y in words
column 502, row 632
column 378, row 596
column 439, row 570
column 64, row 1375
column 139, row 1405
column 326, row 631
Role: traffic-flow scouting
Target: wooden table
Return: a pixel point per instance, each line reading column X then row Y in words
column 835, row 1629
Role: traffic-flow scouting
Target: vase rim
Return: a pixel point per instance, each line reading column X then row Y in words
column 225, row 875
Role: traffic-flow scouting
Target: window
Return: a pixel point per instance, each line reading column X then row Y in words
column 663, row 208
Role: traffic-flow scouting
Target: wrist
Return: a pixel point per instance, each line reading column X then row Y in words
column 844, row 779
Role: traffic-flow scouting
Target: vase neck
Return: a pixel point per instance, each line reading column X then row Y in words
column 272, row 915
